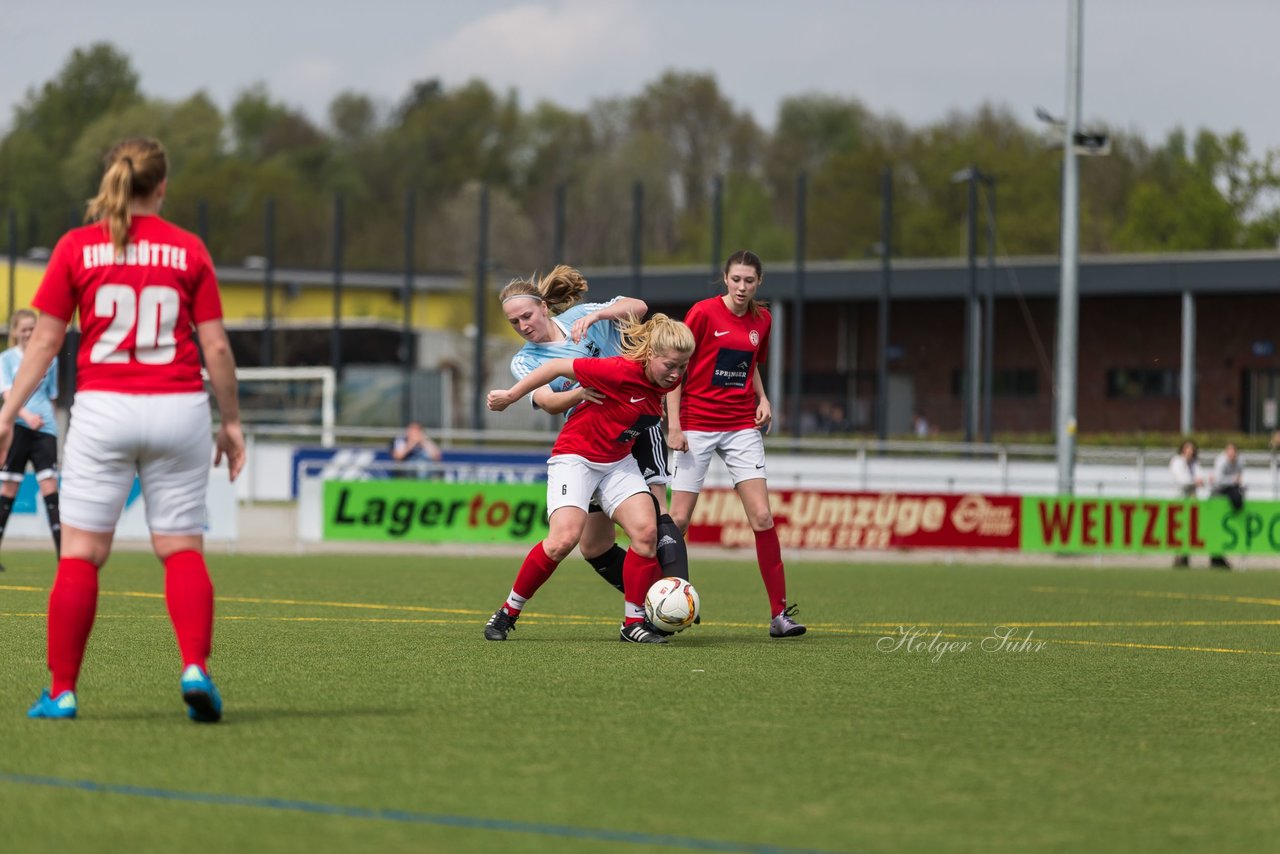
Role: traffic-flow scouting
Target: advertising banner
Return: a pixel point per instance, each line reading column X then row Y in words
column 221, row 523
column 428, row 511
column 1182, row 526
column 863, row 520
column 459, row 465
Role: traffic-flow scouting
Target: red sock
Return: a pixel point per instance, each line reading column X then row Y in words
column 769, row 556
column 638, row 575
column 534, row 572
column 189, row 594
column 73, row 602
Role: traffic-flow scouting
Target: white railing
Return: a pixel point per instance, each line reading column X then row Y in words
column 901, row 466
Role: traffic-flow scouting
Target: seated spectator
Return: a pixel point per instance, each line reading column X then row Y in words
column 414, row 446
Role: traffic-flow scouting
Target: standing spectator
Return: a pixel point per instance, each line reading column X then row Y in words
column 722, row 410
column 1185, row 470
column 144, row 291
column 1228, row 481
column 415, row 447
column 35, row 433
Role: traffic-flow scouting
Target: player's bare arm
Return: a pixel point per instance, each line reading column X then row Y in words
column 44, row 345
column 557, row 402
column 501, row 398
column 34, row 421
column 764, row 410
column 675, row 436
column 623, row 308
column 221, row 364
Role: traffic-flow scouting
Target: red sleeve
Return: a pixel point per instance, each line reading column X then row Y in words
column 206, row 303
column 696, row 320
column 590, row 372
column 55, row 295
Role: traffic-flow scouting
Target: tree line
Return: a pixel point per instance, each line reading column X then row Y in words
column 437, row 146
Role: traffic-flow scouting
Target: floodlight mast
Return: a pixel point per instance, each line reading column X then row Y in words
column 1068, row 296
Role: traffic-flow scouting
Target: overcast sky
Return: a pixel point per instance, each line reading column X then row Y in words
column 1149, row 65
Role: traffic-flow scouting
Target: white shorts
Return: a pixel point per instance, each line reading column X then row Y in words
column 741, row 450
column 572, row 481
column 165, row 439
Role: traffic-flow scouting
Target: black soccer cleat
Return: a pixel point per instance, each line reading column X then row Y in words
column 500, row 625
column 642, row 633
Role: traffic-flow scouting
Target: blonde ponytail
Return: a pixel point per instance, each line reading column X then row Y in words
column 658, row 334
column 135, row 169
column 562, row 288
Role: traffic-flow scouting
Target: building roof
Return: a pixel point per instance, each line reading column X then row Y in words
column 1201, row 273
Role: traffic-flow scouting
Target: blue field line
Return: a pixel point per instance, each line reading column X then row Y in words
column 468, row 822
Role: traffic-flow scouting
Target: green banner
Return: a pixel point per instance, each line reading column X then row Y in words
column 1184, row 526
column 425, row 511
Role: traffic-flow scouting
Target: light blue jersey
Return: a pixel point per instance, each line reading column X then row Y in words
column 601, row 340
column 41, row 400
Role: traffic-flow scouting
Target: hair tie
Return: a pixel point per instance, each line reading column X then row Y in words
column 128, row 161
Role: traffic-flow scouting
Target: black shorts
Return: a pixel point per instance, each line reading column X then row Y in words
column 650, row 452
column 30, row 446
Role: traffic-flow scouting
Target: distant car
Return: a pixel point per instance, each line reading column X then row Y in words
column 38, row 253
column 255, row 262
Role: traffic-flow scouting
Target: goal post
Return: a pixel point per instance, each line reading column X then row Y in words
column 289, row 397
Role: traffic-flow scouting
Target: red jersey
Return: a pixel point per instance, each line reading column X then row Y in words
column 137, row 308
column 719, row 394
column 604, row 432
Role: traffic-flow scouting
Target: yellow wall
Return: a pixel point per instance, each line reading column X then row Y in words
column 241, row 302
column 26, row 280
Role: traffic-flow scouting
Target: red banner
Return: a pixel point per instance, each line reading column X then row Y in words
column 864, row 520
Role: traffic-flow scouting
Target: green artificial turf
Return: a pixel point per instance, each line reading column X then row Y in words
column 1127, row 710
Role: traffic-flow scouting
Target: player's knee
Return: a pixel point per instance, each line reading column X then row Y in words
column 644, row 539
column 558, row 548
column 594, row 546
column 761, row 520
column 681, row 519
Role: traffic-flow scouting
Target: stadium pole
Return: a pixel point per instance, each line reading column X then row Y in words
column 13, row 258
column 797, row 309
column 1188, row 379
column 989, row 340
column 1068, row 297
column 717, row 230
column 479, row 400
column 202, row 222
column 406, row 308
column 268, row 280
column 882, row 320
column 637, row 240
column 972, row 317
column 335, row 340
column 557, row 238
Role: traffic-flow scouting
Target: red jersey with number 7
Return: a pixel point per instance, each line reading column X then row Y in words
column 719, row 394
column 137, row 308
column 604, row 432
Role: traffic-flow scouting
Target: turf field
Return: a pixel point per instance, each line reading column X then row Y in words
column 1128, row 710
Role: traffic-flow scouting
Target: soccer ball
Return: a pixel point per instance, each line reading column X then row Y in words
column 671, row 604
